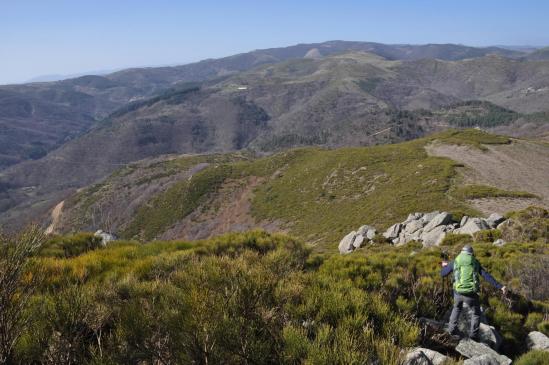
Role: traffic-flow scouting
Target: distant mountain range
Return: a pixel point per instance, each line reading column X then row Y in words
column 59, row 77
column 60, row 136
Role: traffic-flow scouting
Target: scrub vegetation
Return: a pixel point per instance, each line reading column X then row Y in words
column 251, row 298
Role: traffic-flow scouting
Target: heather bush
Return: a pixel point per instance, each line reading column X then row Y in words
column 72, row 245
column 487, row 235
column 254, row 298
column 531, row 224
column 452, row 239
column 534, row 357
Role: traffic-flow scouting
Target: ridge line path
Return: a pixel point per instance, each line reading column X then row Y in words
column 520, row 166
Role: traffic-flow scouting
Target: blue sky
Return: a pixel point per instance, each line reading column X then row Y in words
column 39, row 37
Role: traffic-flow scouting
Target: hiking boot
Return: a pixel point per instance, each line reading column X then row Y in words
column 448, row 338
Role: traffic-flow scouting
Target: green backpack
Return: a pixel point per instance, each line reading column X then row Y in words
column 466, row 274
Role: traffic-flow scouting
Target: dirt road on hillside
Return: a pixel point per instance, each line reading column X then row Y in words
column 521, row 166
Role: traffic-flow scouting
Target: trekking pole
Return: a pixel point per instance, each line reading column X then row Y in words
column 444, row 257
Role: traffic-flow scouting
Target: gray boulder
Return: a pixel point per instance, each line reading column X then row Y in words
column 439, row 220
column 463, row 221
column 489, row 336
column 403, row 238
column 433, row 237
column 367, row 231
column 346, row 244
column 364, row 229
column 504, row 224
column 371, row 233
column 416, row 236
column 472, row 226
column 499, row 242
column 427, row 217
column 359, row 239
column 413, row 217
column 423, row 356
column 537, row 341
column 471, row 349
column 485, row 359
column 105, row 237
column 393, row 231
column 413, row 226
column 494, row 219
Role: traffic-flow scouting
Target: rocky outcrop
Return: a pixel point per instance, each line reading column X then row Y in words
column 537, row 341
column 393, row 232
column 486, row 359
column 367, row 231
column 487, row 334
column 105, row 237
column 427, row 228
column 474, row 350
column 435, row 337
column 495, row 219
column 434, row 237
column 439, row 220
column 472, row 226
column 357, row 239
column 423, row 356
column 346, row 244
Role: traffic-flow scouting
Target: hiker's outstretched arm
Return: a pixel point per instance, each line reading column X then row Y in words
column 447, row 269
column 489, row 278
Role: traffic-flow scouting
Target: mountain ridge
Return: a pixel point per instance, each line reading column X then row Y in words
column 255, row 101
column 78, row 103
column 314, row 194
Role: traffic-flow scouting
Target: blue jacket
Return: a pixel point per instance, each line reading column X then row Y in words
column 446, row 270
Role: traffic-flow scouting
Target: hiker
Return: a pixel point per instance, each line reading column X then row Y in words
column 466, row 270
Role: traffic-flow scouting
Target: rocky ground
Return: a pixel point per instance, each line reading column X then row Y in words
column 522, row 165
column 481, row 352
column 427, row 228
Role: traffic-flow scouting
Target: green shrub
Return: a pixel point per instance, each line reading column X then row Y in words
column 257, row 296
column 71, row 245
column 509, row 324
column 530, row 274
column 534, row 357
column 452, row 239
column 487, row 235
column 484, row 191
column 531, row 224
column 543, row 327
column 533, row 320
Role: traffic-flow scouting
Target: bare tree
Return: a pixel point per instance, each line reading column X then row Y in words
column 532, row 273
column 17, row 284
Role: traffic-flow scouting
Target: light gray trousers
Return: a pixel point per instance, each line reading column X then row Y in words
column 472, row 301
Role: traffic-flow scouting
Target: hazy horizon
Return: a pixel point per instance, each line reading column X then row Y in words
column 68, row 38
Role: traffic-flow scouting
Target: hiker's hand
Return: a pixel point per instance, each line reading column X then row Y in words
column 444, row 263
column 504, row 290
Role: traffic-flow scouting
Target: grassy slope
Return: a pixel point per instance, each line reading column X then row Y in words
column 483, row 191
column 321, row 194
